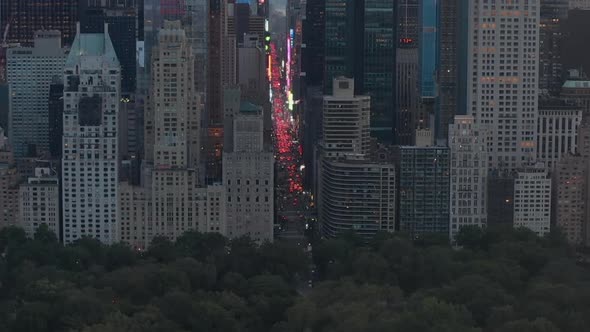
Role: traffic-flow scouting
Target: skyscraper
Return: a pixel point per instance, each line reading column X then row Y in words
column 469, row 174
column 451, row 64
column 503, row 77
column 553, row 15
column 252, row 68
column 248, row 176
column 345, row 120
column 27, row 17
column 30, row 73
column 407, row 94
column 55, row 116
column 171, row 200
column 424, row 180
column 571, row 190
column 428, row 47
column 313, row 53
column 122, row 19
column 92, row 91
column 361, row 43
column 557, row 131
column 356, row 189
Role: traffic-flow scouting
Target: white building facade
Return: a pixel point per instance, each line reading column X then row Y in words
column 557, row 133
column 346, row 120
column 469, row 174
column 532, row 199
column 503, row 60
column 90, row 145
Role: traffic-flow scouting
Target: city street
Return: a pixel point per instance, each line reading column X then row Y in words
column 290, row 197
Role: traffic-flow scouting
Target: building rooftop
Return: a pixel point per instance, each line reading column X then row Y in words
column 92, row 44
column 247, row 107
column 576, row 84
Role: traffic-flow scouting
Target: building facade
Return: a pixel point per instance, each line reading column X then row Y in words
column 39, row 202
column 252, row 68
column 346, row 120
column 30, row 72
column 407, row 94
column 553, row 14
column 557, row 132
column 9, row 185
column 123, row 30
column 173, row 135
column 356, row 193
column 532, row 199
column 577, row 91
column 24, row 18
column 570, row 181
column 503, row 75
column 361, row 43
column 248, row 177
column 424, row 183
column 469, row 174
column 90, row 146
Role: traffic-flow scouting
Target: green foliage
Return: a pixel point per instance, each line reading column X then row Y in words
column 498, row 280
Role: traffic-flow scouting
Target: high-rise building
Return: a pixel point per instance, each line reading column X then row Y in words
column 173, row 117
column 9, row 189
column 92, row 91
column 576, row 90
column 30, row 72
column 428, row 47
column 408, row 23
column 574, row 50
column 122, row 20
column 170, row 200
column 571, row 189
column 252, row 68
column 39, row 202
column 553, row 14
column 424, row 184
column 557, row 131
column 532, row 199
column 313, row 53
column 356, row 188
column 407, row 98
column 24, row 18
column 469, row 174
column 361, row 43
column 173, row 128
column 221, row 73
column 248, row 176
column 55, row 116
column 503, row 75
column 345, row 120
column 452, row 63
column 356, row 193
column 134, row 215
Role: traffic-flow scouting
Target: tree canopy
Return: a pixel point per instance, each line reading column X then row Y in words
column 499, row 280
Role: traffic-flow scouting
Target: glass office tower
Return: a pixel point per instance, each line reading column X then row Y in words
column 378, row 72
column 360, row 43
column 428, row 47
